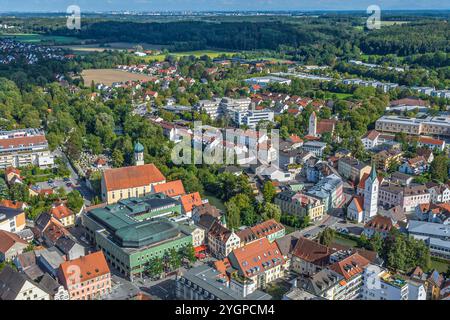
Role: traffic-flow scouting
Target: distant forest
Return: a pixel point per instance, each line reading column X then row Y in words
column 407, row 39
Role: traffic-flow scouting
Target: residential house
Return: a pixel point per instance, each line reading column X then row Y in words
column 17, row 286
column 189, row 201
column 439, row 193
column 269, row 229
column 260, row 262
column 370, row 139
column 384, row 159
column 352, row 169
column 64, row 215
column 415, row 166
column 12, row 217
column 299, row 204
column 431, row 143
column 93, row 277
column 309, row 257
column 380, row 225
column 222, row 241
column 323, row 284
column 10, row 246
column 351, row 268
column 70, row 248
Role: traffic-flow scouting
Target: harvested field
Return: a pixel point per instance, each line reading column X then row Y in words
column 109, row 76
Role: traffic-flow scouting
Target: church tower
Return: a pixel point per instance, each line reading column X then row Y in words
column 312, row 130
column 371, row 195
column 138, row 154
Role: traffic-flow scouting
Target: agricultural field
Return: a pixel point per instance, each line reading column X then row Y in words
column 39, row 38
column 109, row 76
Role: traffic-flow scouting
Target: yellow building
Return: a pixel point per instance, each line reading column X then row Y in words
column 128, row 182
column 384, row 159
column 63, row 214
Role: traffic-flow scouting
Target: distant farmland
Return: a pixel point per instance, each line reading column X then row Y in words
column 109, row 76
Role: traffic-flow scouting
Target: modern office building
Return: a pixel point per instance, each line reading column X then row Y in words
column 251, row 118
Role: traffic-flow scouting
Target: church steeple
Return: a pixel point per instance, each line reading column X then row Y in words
column 373, row 173
column 138, row 154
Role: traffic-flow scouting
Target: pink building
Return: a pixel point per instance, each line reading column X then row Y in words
column 86, row 278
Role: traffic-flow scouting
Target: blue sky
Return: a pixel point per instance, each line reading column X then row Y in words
column 202, row 5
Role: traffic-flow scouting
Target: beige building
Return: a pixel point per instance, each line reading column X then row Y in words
column 222, row 241
column 19, row 148
column 431, row 125
column 352, row 169
column 300, row 204
column 198, row 237
column 128, row 182
column 385, row 158
column 260, row 262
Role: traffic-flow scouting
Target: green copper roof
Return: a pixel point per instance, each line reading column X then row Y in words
column 146, row 233
column 138, row 147
column 373, row 173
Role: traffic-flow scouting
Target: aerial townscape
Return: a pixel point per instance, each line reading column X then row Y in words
column 238, row 155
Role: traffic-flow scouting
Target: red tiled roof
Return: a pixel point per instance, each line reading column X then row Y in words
column 12, row 170
column 409, row 102
column 256, row 257
column 266, row 228
column 326, row 126
column 171, row 189
column 11, row 204
column 427, row 140
column 311, row 251
column 295, row 138
column 350, row 266
column 190, row 201
column 359, row 203
column 88, row 267
column 8, row 239
column 60, row 211
column 131, row 177
column 380, row 224
column 371, row 135
column 25, row 141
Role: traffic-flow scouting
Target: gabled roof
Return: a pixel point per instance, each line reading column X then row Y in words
column 256, row 257
column 8, row 239
column 312, row 251
column 190, row 201
column 11, row 282
column 131, row 177
column 171, row 189
column 380, row 224
column 359, row 203
column 266, row 228
column 371, row 135
column 60, row 211
column 350, row 266
column 219, row 232
column 90, row 266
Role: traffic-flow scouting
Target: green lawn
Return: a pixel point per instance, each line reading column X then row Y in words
column 39, row 38
column 215, row 202
column 344, row 241
column 439, row 265
column 289, row 229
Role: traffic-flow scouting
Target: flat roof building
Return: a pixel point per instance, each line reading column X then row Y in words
column 129, row 234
